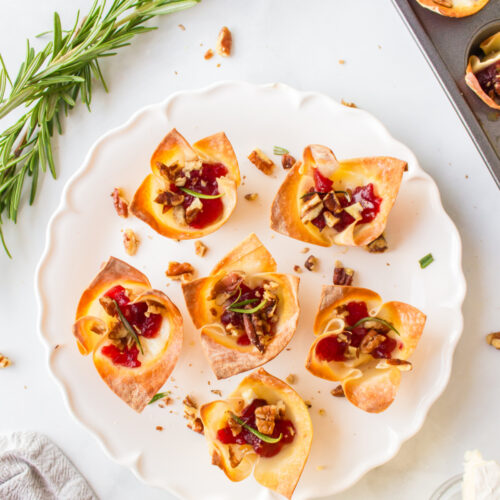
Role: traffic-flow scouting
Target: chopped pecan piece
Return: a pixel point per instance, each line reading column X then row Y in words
column 119, row 202
column 182, row 27
column 494, row 339
column 330, row 219
column 217, row 392
column 193, row 210
column 251, row 196
column 209, row 54
column 236, row 454
column 191, row 414
column 332, row 203
column 400, row 364
column 253, row 329
column 98, row 328
column 233, row 425
column 4, row 361
column 261, row 161
column 297, row 269
column 371, row 341
column 342, row 275
column 130, row 242
column 291, row 379
column 311, row 263
column 378, row 245
column 348, row 104
column 287, row 161
column 118, row 331
column 182, row 271
column 265, row 417
column 305, row 250
column 169, row 199
column 200, row 248
column 108, row 305
column 224, row 42
column 338, row 392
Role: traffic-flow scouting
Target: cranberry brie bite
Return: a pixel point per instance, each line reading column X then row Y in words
column 454, row 8
column 247, row 311
column 133, row 332
column 483, row 75
column 364, row 344
column 264, row 425
column 192, row 190
column 324, row 201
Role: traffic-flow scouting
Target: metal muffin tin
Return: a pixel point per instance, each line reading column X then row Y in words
column 447, row 44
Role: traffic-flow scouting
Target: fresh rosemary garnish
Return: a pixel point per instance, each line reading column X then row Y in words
column 255, row 432
column 345, row 193
column 374, row 318
column 49, row 82
column 243, row 302
column 158, row 396
column 425, row 261
column 248, row 311
column 128, row 326
column 200, row 195
column 280, row 151
column 310, row 193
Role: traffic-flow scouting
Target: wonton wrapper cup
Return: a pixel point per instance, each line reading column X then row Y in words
column 370, row 388
column 174, row 149
column 225, row 356
column 491, row 49
column 136, row 386
column 463, row 9
column 385, row 173
column 281, row 472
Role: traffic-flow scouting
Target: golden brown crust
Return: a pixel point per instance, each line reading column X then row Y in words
column 136, row 386
column 175, row 150
column 455, row 10
column 385, row 173
column 367, row 383
column 225, row 356
column 281, row 472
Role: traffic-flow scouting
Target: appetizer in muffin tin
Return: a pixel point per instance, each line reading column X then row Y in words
column 247, row 311
column 364, row 344
column 264, row 425
column 454, row 8
column 483, row 75
column 192, row 190
column 133, row 332
column 325, row 201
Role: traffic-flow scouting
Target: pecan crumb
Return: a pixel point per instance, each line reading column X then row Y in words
column 287, row 161
column 4, row 361
column 182, row 27
column 200, row 248
column 224, row 42
column 251, row 196
column 261, row 161
column 159, row 428
column 338, row 392
column 341, row 61
column 291, row 379
column 209, row 54
column 119, row 202
column 311, row 263
column 322, row 412
column 297, row 269
column 378, row 245
column 130, row 242
column 348, row 104
column 216, row 392
column 308, row 403
column 494, row 339
column 342, row 275
column 182, row 271
column 304, row 250
column 191, row 414
column 57, row 347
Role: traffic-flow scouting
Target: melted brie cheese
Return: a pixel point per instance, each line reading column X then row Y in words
column 481, row 478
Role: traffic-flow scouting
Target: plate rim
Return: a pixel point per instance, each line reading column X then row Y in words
column 64, row 204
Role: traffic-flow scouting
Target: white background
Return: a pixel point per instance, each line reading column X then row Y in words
column 298, row 43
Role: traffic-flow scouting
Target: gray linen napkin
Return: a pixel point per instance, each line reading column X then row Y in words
column 33, row 468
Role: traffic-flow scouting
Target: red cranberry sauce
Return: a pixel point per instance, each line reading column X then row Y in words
column 332, row 349
column 489, row 79
column 282, row 426
column 127, row 357
column 204, row 181
column 365, row 195
column 146, row 326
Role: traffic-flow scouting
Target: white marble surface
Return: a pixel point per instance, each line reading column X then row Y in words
column 299, row 43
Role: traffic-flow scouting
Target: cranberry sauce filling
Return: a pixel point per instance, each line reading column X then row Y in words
column 331, row 348
column 365, row 195
column 203, row 181
column 145, row 326
column 282, row 426
column 489, row 79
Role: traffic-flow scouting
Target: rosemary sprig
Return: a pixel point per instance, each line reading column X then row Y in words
column 255, row 432
column 200, row 195
column 426, row 261
column 157, row 396
column 374, row 318
column 279, row 151
column 49, row 82
column 248, row 311
column 128, row 326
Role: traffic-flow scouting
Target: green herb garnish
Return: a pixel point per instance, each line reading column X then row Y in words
column 243, row 303
column 255, row 432
column 248, row 311
column 425, row 261
column 201, row 195
column 280, row 151
column 345, row 193
column 158, row 396
column 310, row 193
column 128, row 326
column 370, row 318
column 49, row 82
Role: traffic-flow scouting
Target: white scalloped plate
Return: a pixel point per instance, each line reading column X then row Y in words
column 85, row 231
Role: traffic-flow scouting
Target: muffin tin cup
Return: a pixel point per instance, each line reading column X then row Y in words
column 447, row 44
